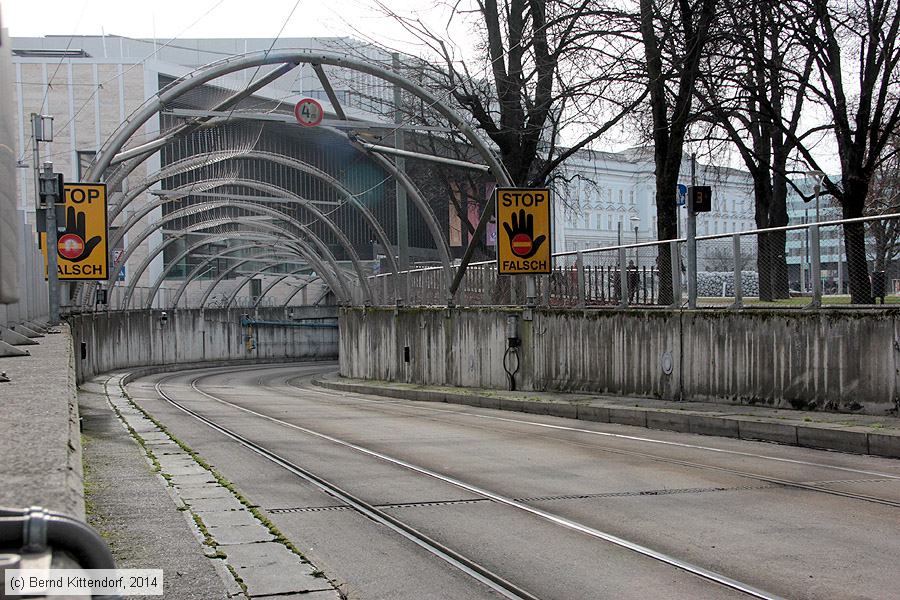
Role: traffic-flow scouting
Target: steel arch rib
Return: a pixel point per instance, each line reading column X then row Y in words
column 197, row 271
column 424, row 209
column 246, row 280
column 277, row 230
column 248, row 206
column 155, row 252
column 200, row 207
column 228, row 65
column 272, row 189
column 218, row 156
column 275, row 282
column 130, row 164
column 222, row 276
column 307, row 254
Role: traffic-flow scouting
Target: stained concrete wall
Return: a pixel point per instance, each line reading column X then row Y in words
column 845, row 360
column 119, row 340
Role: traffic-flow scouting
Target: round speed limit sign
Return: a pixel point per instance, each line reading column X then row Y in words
column 309, row 112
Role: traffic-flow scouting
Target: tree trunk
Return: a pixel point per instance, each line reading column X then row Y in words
column 855, row 244
column 666, row 229
column 780, row 284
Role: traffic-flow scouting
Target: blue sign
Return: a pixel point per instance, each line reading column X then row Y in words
column 682, row 194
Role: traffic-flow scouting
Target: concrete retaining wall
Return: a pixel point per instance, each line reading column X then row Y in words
column 843, row 360
column 119, row 340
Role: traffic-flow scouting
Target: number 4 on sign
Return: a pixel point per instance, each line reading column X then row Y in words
column 308, row 112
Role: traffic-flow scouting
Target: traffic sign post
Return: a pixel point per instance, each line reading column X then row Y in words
column 81, row 248
column 524, row 231
column 49, row 193
column 309, row 112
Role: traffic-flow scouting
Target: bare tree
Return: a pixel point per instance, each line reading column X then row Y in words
column 759, row 106
column 674, row 35
column 855, row 79
column 884, row 199
column 550, row 80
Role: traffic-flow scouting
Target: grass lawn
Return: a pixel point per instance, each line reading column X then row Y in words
column 791, row 302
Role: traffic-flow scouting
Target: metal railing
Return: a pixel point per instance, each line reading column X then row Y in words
column 799, row 266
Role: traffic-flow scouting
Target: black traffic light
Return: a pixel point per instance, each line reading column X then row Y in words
column 700, row 198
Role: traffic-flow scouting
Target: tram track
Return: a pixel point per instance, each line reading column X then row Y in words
column 465, row 564
column 808, row 486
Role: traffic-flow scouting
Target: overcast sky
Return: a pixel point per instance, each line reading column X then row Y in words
column 167, row 19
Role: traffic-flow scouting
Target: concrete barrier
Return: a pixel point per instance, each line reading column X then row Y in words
column 827, row 359
column 106, row 342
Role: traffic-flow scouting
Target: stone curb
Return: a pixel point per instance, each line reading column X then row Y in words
column 856, row 440
column 229, row 531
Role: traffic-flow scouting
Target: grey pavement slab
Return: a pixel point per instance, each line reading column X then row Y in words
column 239, row 534
column 129, row 505
column 224, row 504
column 855, row 433
column 264, row 569
column 269, row 580
column 202, row 491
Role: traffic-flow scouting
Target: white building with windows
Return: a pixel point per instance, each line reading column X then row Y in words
column 609, row 190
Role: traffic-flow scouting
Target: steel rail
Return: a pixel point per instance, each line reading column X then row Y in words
column 500, row 499
column 469, row 567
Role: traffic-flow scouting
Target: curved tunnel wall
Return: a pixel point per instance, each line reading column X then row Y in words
column 127, row 339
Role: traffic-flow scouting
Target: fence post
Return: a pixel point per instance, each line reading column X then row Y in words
column 738, row 282
column 623, row 278
column 675, row 259
column 579, row 277
column 815, row 267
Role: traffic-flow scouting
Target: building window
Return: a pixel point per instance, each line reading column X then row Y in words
column 620, row 196
column 631, row 196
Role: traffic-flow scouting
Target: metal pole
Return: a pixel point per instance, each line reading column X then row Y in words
column 48, row 180
column 402, row 217
column 579, row 277
column 676, row 274
column 840, row 261
column 623, row 278
column 692, row 241
column 738, row 283
column 36, row 158
column 816, row 268
column 804, row 269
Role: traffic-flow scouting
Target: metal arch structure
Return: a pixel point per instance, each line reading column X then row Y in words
column 280, row 233
column 294, row 293
column 221, row 277
column 113, row 146
column 208, row 158
column 199, row 269
column 415, row 195
column 129, row 290
column 248, row 206
column 336, row 281
column 121, row 200
column 136, row 156
column 243, row 282
column 276, row 191
column 278, row 280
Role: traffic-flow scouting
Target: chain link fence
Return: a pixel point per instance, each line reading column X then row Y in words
column 798, row 266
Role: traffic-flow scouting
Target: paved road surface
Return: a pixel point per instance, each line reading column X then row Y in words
column 530, row 498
